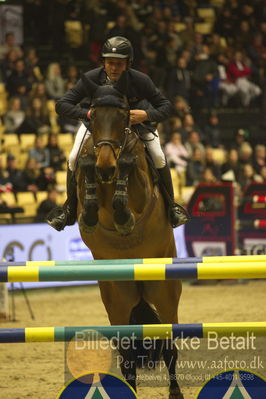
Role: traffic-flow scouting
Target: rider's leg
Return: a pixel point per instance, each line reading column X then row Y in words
column 177, row 214
column 66, row 215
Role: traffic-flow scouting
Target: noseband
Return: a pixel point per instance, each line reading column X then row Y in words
column 114, row 144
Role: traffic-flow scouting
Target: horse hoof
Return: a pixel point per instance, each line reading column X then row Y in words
column 85, row 228
column 126, row 228
column 175, row 393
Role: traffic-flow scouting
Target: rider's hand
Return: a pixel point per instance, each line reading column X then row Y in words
column 137, row 116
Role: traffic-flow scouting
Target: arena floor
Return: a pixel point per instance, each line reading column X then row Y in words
column 37, row 370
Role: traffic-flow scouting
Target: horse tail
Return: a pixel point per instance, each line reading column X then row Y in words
column 143, row 313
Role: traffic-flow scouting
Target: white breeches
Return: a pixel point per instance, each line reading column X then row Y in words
column 152, row 143
column 248, row 90
column 82, row 134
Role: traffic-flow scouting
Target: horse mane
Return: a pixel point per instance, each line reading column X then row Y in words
column 110, row 100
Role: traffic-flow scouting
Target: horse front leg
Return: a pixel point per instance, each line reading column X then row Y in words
column 124, row 219
column 165, row 296
column 119, row 298
column 88, row 219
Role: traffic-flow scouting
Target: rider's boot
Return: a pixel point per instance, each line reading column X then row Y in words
column 65, row 215
column 176, row 213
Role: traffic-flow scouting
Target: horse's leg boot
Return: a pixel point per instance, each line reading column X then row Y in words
column 177, row 214
column 59, row 217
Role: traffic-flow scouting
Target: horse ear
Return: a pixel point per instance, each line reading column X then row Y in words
column 122, row 83
column 89, row 85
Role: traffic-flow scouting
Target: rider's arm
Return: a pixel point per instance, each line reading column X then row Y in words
column 161, row 107
column 68, row 104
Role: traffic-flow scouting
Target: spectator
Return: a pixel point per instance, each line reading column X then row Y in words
column 40, row 153
column 8, row 45
column 174, row 43
column 46, row 179
column 177, row 155
column 22, row 94
column 5, row 184
column 195, row 168
column 187, row 35
column 8, row 65
column 206, row 79
column 18, row 77
column 30, row 175
column 263, row 174
column 241, row 137
column 243, row 35
column 197, row 46
column 259, row 159
column 189, row 126
column 175, row 124
column 262, row 30
column 246, row 13
column 231, row 165
column 37, row 119
column 211, row 164
column 56, row 155
column 217, row 45
column 14, row 117
column 208, row 176
column 39, row 90
column 245, row 153
column 194, row 142
column 248, row 176
column 54, row 82
column 227, row 87
column 212, row 131
column 239, row 73
column 14, row 174
column 46, row 205
column 225, row 24
column 143, row 9
column 178, row 81
column 181, row 107
column 32, row 65
column 72, row 74
column 257, row 53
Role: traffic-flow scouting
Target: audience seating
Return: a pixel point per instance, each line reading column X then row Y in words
column 27, row 201
column 208, row 14
column 27, row 141
column 11, row 143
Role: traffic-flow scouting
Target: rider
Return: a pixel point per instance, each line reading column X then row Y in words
column 147, row 107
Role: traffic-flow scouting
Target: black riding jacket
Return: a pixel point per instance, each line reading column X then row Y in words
column 141, row 94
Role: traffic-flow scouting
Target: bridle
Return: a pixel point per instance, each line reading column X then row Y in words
column 114, row 144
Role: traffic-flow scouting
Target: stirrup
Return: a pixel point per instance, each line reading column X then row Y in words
column 178, row 215
column 57, row 218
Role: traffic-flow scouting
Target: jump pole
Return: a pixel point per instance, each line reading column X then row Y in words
column 205, row 259
column 131, row 272
column 154, row 331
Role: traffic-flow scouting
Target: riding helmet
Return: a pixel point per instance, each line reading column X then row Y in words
column 118, row 47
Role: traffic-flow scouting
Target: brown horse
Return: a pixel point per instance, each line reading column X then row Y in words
column 122, row 215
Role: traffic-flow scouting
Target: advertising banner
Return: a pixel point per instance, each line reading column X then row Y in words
column 11, row 20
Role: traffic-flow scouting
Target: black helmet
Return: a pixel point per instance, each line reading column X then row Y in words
column 118, row 47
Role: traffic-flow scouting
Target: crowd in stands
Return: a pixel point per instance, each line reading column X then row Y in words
column 200, row 60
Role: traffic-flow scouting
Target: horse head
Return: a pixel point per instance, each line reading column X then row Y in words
column 109, row 121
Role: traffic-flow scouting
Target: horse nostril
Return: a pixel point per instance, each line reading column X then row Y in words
column 106, row 174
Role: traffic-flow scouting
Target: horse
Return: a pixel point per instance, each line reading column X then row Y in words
column 122, row 214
